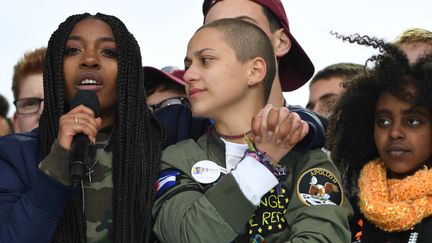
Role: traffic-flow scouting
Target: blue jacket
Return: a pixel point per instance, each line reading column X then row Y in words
column 31, row 203
column 315, row 138
column 181, row 125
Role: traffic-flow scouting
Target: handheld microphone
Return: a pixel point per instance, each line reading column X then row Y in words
column 80, row 144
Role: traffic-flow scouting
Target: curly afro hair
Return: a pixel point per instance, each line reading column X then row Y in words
column 350, row 138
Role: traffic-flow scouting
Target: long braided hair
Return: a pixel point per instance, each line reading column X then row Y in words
column 137, row 137
column 351, row 127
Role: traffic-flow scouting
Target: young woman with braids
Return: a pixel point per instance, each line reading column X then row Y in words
column 114, row 201
column 380, row 137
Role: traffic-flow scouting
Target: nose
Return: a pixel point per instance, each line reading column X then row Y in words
column 190, row 75
column 396, row 131
column 90, row 60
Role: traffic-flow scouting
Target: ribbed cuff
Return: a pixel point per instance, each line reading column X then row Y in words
column 230, row 202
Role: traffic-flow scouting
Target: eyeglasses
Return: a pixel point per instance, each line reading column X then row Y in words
column 27, row 105
column 170, row 101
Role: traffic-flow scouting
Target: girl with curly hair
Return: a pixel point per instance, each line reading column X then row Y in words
column 38, row 201
column 380, row 137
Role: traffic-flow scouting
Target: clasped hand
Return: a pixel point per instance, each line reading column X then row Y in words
column 276, row 131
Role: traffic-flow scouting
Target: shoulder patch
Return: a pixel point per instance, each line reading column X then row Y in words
column 167, row 179
column 318, row 186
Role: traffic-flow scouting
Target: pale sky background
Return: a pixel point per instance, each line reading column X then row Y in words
column 163, row 28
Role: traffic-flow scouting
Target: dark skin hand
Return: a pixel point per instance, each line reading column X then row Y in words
column 81, row 119
column 276, row 131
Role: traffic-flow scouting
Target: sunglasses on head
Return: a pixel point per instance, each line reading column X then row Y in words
column 170, row 101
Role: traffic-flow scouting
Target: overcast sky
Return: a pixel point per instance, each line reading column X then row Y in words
column 163, row 28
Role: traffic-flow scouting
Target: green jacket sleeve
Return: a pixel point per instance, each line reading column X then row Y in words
column 188, row 214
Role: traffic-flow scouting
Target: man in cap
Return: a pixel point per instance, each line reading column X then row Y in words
column 164, row 87
column 294, row 66
column 167, row 99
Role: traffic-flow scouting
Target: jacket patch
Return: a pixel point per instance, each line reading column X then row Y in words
column 269, row 216
column 167, row 179
column 319, row 186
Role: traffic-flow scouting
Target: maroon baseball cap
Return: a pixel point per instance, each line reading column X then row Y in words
column 170, row 72
column 295, row 68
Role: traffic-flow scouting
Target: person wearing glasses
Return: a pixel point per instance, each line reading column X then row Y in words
column 27, row 87
column 166, row 98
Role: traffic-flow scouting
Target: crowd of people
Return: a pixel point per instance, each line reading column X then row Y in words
column 212, row 152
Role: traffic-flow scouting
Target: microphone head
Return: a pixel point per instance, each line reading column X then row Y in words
column 87, row 98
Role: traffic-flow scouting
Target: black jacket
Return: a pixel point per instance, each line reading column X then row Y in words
column 422, row 233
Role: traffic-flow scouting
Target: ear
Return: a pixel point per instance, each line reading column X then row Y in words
column 257, row 71
column 281, row 42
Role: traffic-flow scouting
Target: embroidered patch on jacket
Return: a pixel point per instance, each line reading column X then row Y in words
column 319, row 186
column 268, row 218
column 167, row 179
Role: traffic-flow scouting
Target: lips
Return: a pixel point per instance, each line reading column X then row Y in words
column 89, row 81
column 194, row 92
column 397, row 149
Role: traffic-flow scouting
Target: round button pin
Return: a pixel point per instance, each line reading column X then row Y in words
column 205, row 171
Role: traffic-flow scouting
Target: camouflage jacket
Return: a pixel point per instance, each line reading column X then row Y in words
column 97, row 185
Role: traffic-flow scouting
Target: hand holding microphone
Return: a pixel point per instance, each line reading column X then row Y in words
column 77, row 128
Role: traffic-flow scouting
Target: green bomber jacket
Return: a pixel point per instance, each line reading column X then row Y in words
column 308, row 205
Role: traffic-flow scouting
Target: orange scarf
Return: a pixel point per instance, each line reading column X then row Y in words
column 394, row 204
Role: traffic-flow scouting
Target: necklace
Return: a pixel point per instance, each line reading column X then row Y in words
column 231, row 136
column 90, row 169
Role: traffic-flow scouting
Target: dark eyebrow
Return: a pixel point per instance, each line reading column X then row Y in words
column 247, row 19
column 415, row 110
column 197, row 53
column 410, row 111
column 326, row 96
column 382, row 112
column 104, row 39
